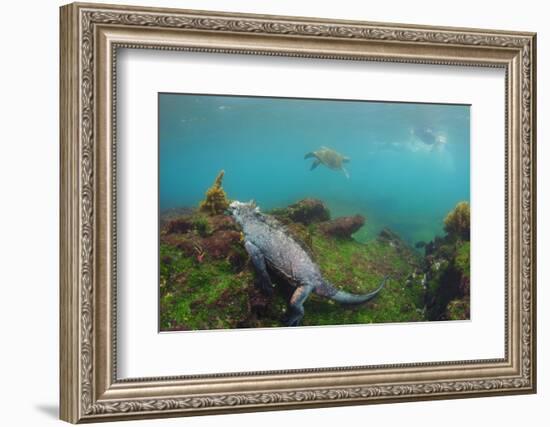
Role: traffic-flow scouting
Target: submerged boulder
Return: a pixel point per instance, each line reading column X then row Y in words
column 457, row 222
column 179, row 225
column 168, row 215
column 220, row 244
column 448, row 268
column 199, row 236
column 223, row 222
column 208, row 282
column 306, row 211
column 391, row 238
column 342, row 227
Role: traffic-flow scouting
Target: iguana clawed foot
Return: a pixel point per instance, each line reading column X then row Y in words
column 296, row 305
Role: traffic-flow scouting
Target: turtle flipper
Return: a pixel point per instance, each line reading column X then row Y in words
column 309, row 155
column 315, row 163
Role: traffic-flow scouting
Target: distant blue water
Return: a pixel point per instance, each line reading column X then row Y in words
column 410, row 163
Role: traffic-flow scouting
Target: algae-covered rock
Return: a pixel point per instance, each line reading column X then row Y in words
column 306, row 211
column 216, row 237
column 220, row 244
column 168, row 215
column 206, row 295
column 387, row 235
column 462, row 263
column 204, row 276
column 208, row 282
column 391, row 238
column 216, row 201
column 458, row 309
column 457, row 222
column 448, row 268
column 201, row 224
column 343, row 227
column 358, row 268
column 179, row 225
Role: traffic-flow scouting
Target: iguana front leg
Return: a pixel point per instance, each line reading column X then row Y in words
column 296, row 305
column 258, row 261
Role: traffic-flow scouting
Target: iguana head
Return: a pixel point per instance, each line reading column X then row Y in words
column 243, row 210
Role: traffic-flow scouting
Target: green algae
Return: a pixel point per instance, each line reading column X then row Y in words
column 208, row 282
column 359, row 268
column 457, row 222
column 463, row 259
column 457, row 308
column 200, row 295
column 213, row 294
column 201, row 225
column 448, row 284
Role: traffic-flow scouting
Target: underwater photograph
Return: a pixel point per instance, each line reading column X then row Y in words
column 278, row 212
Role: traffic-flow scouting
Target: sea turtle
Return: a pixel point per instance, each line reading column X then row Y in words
column 330, row 158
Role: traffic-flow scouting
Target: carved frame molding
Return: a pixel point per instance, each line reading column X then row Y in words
column 90, row 36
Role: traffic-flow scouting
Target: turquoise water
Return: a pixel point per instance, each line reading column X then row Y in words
column 410, row 163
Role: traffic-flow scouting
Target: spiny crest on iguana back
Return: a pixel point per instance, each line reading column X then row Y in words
column 274, row 223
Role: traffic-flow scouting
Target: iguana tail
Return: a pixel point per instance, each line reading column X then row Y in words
column 347, row 298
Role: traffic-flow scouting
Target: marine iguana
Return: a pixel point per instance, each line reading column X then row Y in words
column 269, row 245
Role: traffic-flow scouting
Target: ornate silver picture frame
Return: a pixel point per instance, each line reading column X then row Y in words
column 92, row 35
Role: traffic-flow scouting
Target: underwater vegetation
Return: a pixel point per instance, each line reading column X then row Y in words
column 457, row 222
column 447, row 268
column 216, row 201
column 217, row 290
column 306, row 211
column 207, row 280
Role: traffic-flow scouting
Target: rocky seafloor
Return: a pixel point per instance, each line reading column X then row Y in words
column 208, row 282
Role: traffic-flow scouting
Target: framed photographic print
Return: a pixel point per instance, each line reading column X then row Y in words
column 266, row 212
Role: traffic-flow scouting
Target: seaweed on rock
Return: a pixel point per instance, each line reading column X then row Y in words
column 215, row 202
column 447, row 269
column 306, row 211
column 457, row 222
column 207, row 281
